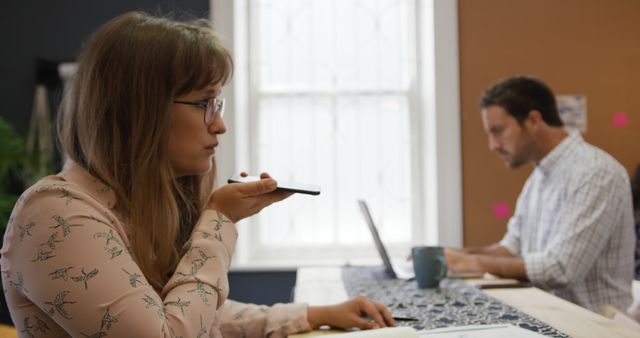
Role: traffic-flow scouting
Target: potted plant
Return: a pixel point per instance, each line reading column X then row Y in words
column 20, row 167
column 12, row 152
column 12, row 158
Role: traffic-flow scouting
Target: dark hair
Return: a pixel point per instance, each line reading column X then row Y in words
column 521, row 94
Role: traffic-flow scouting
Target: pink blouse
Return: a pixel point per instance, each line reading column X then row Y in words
column 67, row 271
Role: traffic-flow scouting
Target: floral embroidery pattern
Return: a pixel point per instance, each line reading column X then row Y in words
column 66, row 227
column 58, row 304
column 134, row 278
column 25, row 230
column 109, row 237
column 38, row 326
column 105, row 325
column 62, row 273
column 85, row 277
column 66, row 194
column 217, row 225
column 203, row 330
column 19, row 283
column 115, row 250
column 51, row 242
column 199, row 289
column 196, row 265
column 43, row 256
column 151, row 303
column 180, row 304
column 217, row 286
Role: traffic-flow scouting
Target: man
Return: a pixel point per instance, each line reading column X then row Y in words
column 572, row 232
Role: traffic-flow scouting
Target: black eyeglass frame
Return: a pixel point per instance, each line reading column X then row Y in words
column 211, row 107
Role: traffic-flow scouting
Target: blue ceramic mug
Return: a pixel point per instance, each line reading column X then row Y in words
column 429, row 265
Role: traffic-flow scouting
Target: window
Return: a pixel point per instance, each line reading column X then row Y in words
column 333, row 97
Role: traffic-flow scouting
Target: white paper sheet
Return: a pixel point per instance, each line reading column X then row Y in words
column 481, row 331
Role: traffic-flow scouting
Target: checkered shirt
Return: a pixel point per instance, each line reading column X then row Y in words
column 574, row 227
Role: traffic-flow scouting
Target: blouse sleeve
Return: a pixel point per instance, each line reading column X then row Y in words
column 250, row 320
column 70, row 271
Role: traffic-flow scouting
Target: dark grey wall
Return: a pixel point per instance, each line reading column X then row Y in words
column 55, row 30
column 262, row 287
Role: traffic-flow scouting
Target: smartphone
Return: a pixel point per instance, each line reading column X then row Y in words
column 310, row 189
column 504, row 285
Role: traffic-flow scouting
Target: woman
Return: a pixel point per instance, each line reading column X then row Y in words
column 130, row 239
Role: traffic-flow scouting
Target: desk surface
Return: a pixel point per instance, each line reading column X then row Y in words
column 321, row 286
column 7, row 331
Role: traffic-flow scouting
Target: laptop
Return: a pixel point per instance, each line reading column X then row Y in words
column 396, row 270
column 401, row 270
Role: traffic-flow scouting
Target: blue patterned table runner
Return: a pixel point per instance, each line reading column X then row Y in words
column 454, row 303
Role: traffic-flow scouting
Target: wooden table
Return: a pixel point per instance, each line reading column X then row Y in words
column 321, row 286
column 7, row 331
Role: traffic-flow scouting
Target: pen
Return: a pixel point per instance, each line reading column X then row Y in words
column 406, row 319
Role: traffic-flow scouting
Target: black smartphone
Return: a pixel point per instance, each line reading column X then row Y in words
column 504, row 286
column 310, row 189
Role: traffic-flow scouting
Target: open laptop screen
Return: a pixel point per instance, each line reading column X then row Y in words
column 376, row 238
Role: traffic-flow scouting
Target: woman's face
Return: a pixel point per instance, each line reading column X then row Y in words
column 191, row 142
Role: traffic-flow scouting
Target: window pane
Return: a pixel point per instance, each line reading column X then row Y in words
column 353, row 147
column 372, row 45
column 331, row 89
column 333, row 44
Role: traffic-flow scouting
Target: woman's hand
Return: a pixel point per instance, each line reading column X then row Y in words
column 351, row 314
column 240, row 200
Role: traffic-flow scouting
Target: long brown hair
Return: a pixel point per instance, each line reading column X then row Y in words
column 115, row 121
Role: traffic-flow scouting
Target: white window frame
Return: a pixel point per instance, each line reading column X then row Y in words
column 437, row 212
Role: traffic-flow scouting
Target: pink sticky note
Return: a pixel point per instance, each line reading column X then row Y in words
column 620, row 120
column 501, row 210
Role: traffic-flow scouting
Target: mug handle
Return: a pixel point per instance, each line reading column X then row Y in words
column 443, row 267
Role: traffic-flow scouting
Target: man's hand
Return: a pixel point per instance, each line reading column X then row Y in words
column 499, row 262
column 360, row 312
column 458, row 261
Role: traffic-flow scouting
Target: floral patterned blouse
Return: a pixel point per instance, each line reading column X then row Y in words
column 67, row 271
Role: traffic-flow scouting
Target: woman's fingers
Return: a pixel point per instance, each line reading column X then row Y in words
column 265, row 175
column 240, row 200
column 262, row 201
column 388, row 318
column 372, row 311
column 276, row 196
column 257, row 188
column 262, row 174
column 359, row 312
column 362, row 323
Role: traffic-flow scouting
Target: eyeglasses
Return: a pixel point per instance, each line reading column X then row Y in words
column 211, row 107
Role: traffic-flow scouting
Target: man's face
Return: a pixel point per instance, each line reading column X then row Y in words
column 508, row 138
